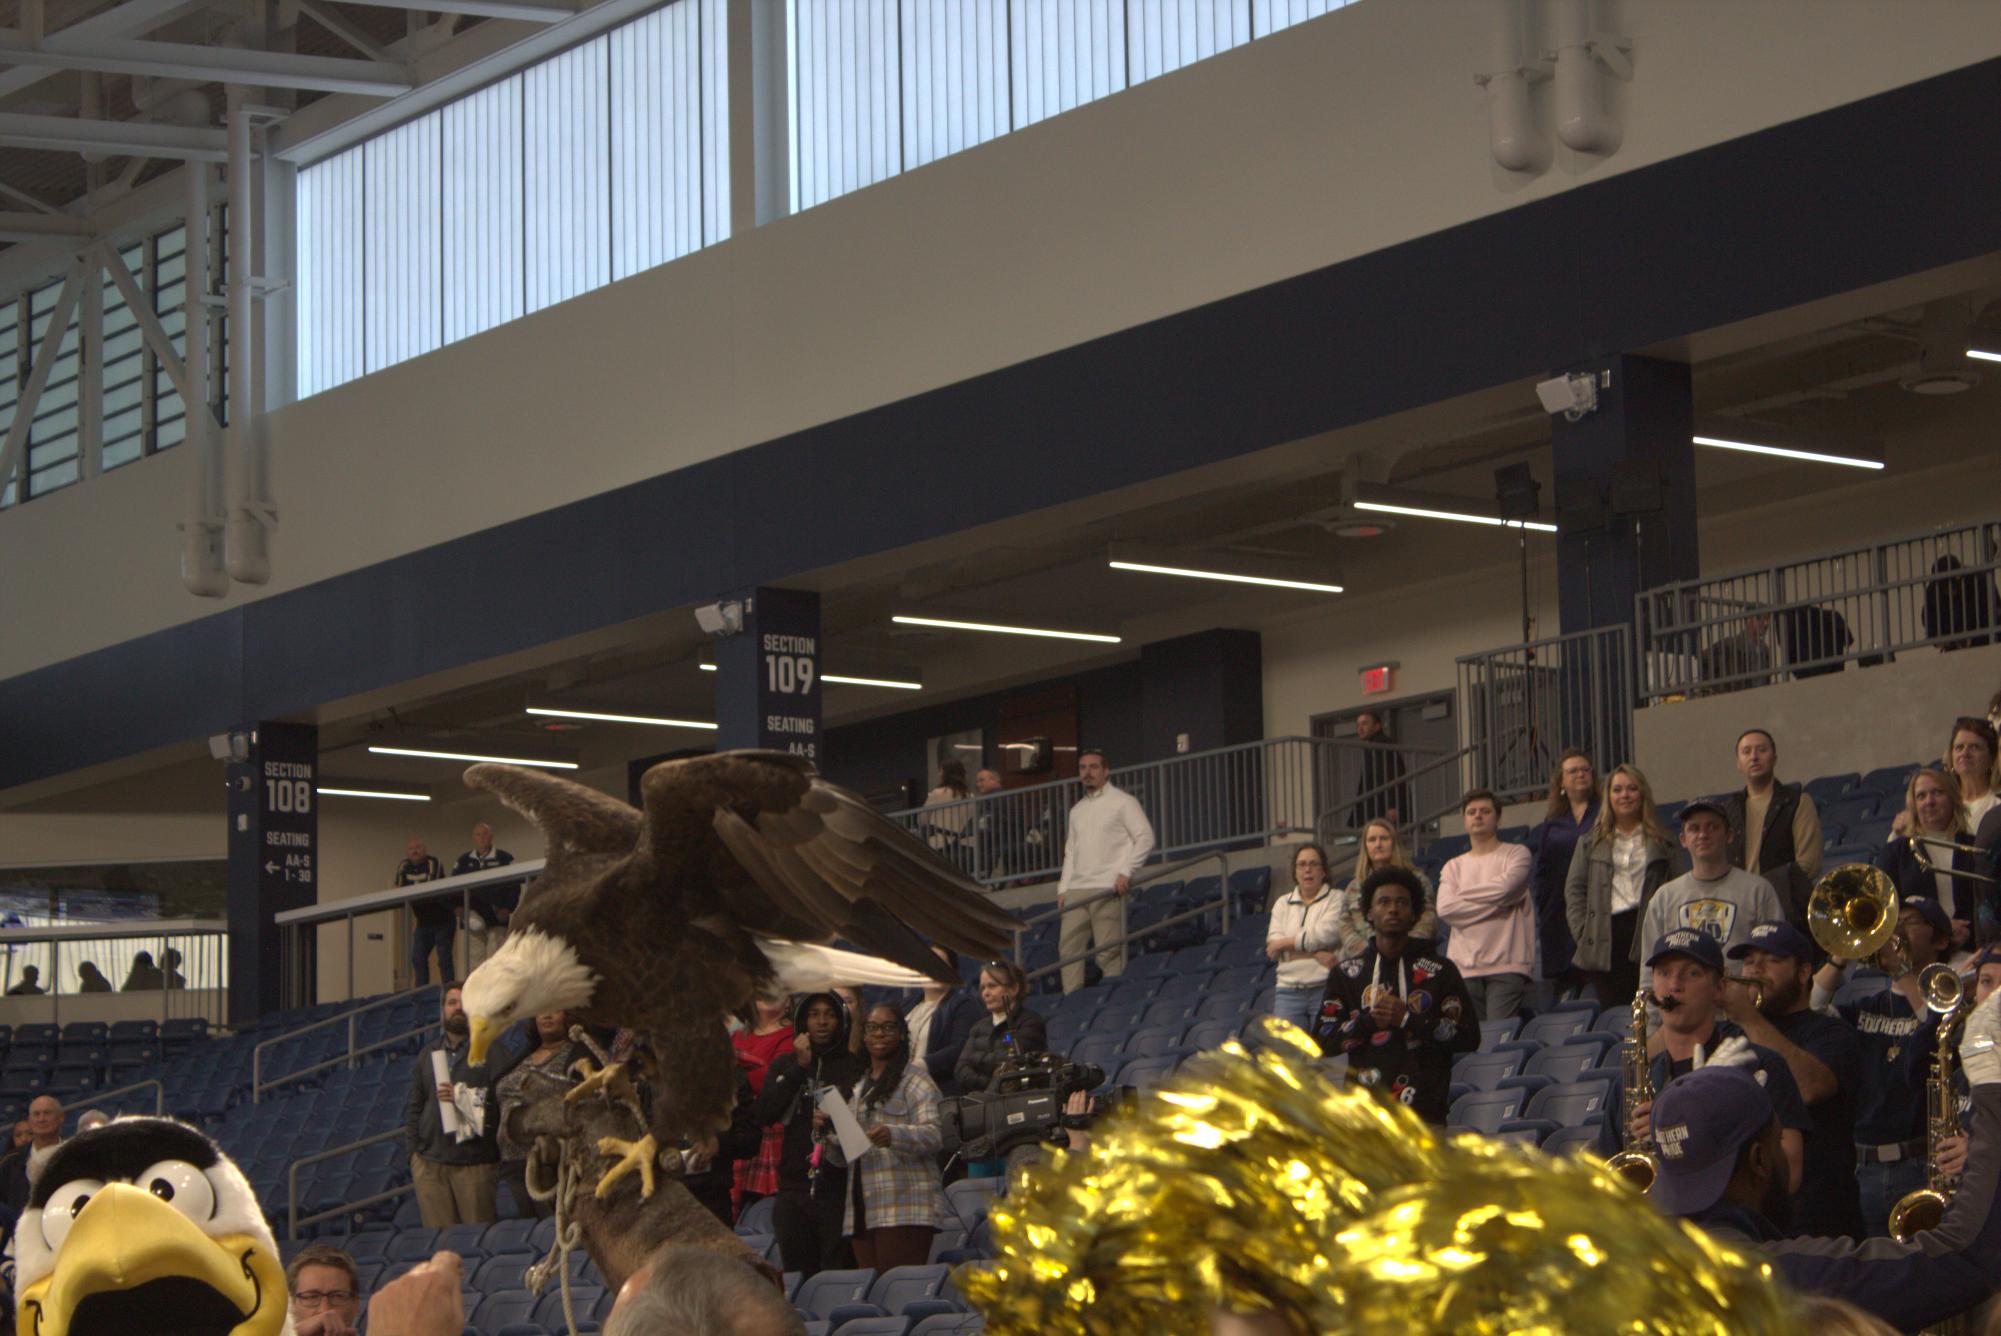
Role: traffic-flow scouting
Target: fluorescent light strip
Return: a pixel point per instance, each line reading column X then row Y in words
column 1006, row 630
column 1811, row 456
column 621, row 718
column 838, row 680
column 468, row 756
column 1490, row 521
column 375, row 793
column 1229, row 579
column 1982, row 355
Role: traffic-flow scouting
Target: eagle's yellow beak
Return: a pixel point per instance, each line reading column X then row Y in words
column 130, row 1261
column 483, row 1032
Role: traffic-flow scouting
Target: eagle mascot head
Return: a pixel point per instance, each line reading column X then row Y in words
column 144, row 1224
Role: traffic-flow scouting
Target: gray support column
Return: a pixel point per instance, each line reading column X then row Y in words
column 273, row 863
column 275, row 264
column 768, row 673
column 759, row 115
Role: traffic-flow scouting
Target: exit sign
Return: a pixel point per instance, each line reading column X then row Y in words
column 1379, row 679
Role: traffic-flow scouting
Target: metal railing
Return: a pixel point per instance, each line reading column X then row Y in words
column 1231, row 797
column 85, row 1101
column 298, row 971
column 1524, row 704
column 142, row 969
column 258, row 1085
column 1436, row 787
column 292, row 1217
column 1862, row 605
column 1126, row 934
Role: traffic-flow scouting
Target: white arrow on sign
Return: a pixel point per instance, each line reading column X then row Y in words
column 270, row 867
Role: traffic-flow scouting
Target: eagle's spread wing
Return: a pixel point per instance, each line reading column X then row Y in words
column 574, row 819
column 822, row 863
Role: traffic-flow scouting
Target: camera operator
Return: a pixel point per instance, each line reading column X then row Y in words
column 1008, row 1030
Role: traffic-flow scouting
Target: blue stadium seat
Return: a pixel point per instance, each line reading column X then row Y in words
column 1873, row 832
column 944, row 1240
column 496, row 1275
column 1578, row 1104
column 549, row 1308
column 1100, row 1050
column 1485, row 1071
column 1118, row 1017
column 1172, row 1011
column 1211, row 1034
column 1827, row 788
column 1232, row 1004
column 873, row 1326
column 1499, row 1032
column 819, row 1295
column 1854, row 809
column 497, row 1311
column 963, row 1324
column 1529, row 1132
column 1152, row 1041
column 1578, row 1140
column 1485, row 1110
column 1888, row 779
column 1147, row 1073
column 1553, row 1027
column 412, row 1245
column 1250, row 888
column 969, row 1197
column 900, row 1286
column 756, row 1217
column 1185, row 983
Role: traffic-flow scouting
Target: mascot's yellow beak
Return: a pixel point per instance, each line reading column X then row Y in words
column 132, row 1263
column 483, row 1032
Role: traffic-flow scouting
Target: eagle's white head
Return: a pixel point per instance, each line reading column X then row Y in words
column 530, row 974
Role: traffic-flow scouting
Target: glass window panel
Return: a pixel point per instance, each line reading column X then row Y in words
column 955, row 76
column 123, row 450
column 1270, row 16
column 401, row 294
column 656, row 139
column 1164, row 35
column 48, row 479
column 847, row 130
column 170, row 433
column 1065, row 53
column 715, row 121
column 329, row 268
column 566, row 185
column 482, row 210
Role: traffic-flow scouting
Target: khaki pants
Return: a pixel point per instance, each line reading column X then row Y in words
column 1098, row 923
column 454, row 1194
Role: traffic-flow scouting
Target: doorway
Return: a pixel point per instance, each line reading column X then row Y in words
column 1427, row 726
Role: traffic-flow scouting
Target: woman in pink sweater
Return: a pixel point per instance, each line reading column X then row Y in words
column 1483, row 895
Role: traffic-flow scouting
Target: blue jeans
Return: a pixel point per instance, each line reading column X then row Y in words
column 1301, row 1006
column 424, row 941
column 1881, row 1185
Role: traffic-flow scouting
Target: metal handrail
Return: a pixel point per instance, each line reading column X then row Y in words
column 1327, row 831
column 292, row 1220
column 257, row 1082
column 1127, row 935
column 159, row 1097
column 346, row 1058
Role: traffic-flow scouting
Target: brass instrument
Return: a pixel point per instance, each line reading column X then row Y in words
column 1920, row 843
column 1852, row 912
column 1923, row 1209
column 1640, row 1160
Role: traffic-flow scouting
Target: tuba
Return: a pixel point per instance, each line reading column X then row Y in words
column 1852, row 912
column 1918, row 1211
column 1640, row 1159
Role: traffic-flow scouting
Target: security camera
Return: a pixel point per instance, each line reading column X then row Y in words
column 230, row 747
column 720, row 619
column 1573, row 395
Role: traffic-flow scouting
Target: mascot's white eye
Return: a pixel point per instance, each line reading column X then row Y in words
column 66, row 1203
column 181, row 1186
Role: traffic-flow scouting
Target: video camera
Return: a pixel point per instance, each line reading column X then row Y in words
column 1025, row 1106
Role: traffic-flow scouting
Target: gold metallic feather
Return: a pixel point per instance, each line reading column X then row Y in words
column 1252, row 1183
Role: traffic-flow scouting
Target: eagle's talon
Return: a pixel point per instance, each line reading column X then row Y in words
column 641, row 1155
column 594, row 1079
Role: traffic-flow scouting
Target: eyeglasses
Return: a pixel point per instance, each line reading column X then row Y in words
column 1309, row 862
column 316, row 1298
column 880, row 1027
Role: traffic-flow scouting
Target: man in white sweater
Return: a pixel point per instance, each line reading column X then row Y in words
column 1484, row 895
column 1109, row 839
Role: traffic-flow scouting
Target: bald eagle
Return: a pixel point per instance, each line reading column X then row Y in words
column 727, row 886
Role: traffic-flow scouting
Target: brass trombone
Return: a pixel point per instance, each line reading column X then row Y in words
column 1919, row 843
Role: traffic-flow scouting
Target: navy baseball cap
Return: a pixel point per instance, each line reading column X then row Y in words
column 1930, row 911
column 1697, row 946
column 1776, row 936
column 1701, row 1121
column 1704, row 805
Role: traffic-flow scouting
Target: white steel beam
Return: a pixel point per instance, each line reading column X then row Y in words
column 138, row 139
column 38, row 379
column 344, row 30
column 531, row 11
column 122, row 20
column 208, row 64
column 150, row 328
column 40, row 226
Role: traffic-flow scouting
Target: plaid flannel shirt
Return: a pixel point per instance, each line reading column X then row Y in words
column 899, row 1182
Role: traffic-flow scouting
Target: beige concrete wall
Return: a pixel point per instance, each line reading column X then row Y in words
column 1333, row 139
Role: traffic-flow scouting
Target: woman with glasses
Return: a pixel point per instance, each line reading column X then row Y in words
column 892, row 1189
column 1305, row 913
column 1381, row 847
column 1008, row 1030
column 325, row 1290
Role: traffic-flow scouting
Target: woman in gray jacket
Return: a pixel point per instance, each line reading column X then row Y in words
column 1618, row 866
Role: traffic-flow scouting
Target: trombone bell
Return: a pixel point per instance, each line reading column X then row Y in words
column 1852, row 912
column 1942, row 987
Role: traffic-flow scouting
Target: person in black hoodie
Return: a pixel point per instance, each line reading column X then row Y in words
column 811, row 1189
column 1008, row 1030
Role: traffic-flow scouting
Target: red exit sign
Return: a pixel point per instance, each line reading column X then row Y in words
column 1379, row 679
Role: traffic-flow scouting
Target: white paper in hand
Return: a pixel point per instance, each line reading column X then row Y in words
column 854, row 1141
column 441, row 1070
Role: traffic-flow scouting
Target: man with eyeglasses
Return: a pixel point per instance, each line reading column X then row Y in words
column 326, row 1291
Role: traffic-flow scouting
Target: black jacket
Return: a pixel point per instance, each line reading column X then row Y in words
column 1777, row 861
column 1412, row 1063
column 787, row 1099
column 958, row 1012
column 739, row 1142
column 423, row 1125
column 1023, row 1035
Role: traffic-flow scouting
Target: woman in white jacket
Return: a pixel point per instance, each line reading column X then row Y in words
column 1303, row 918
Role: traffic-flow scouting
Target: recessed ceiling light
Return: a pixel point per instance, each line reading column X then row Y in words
column 620, row 718
column 1459, row 516
column 1782, row 452
column 375, row 793
column 995, row 628
column 470, row 756
column 1225, row 576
